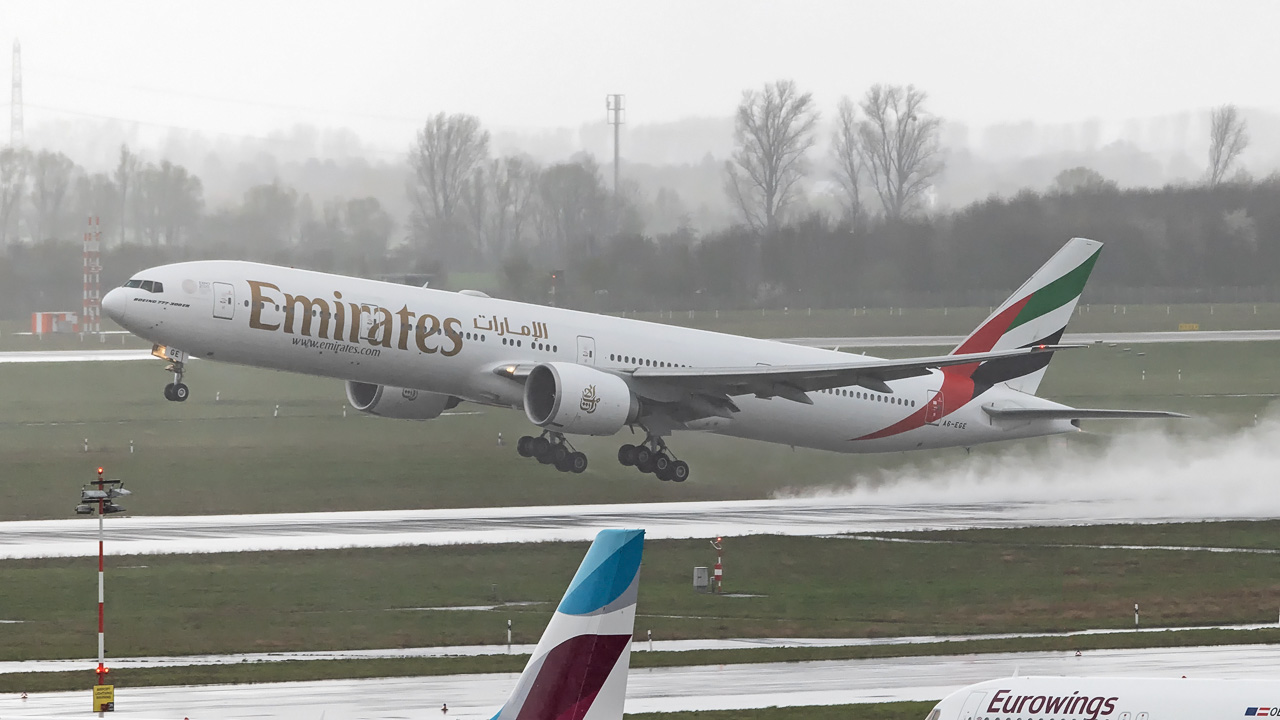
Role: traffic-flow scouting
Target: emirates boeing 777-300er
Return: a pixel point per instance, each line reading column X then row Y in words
column 410, row 352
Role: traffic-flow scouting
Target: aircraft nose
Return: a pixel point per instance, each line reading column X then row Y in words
column 113, row 304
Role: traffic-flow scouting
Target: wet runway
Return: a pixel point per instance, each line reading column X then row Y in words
column 825, row 515
column 87, row 665
column 712, row 687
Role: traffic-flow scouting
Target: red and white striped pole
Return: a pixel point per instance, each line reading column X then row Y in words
column 102, row 668
column 719, row 574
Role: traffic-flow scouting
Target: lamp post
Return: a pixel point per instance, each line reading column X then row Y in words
column 100, row 499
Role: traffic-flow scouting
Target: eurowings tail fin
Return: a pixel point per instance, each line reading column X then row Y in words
column 1036, row 314
column 578, row 671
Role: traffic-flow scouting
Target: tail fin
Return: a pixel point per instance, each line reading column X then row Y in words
column 578, row 671
column 1036, row 314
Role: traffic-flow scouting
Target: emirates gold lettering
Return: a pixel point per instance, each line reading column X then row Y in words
column 368, row 323
column 259, row 300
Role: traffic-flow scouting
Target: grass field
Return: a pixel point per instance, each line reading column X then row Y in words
column 1013, row 580
column 231, row 454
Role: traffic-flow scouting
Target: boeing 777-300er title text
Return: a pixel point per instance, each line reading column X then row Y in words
column 409, row 352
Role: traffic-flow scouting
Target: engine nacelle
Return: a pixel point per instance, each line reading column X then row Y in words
column 578, row 399
column 394, row 402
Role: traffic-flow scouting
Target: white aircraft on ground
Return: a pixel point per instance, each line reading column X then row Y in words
column 1081, row 698
column 409, row 352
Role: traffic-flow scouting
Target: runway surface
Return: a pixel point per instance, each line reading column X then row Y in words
column 87, row 665
column 843, row 342
column 810, row 516
column 712, row 687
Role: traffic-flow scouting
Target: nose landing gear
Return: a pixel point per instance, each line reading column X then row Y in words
column 551, row 448
column 176, row 391
column 652, row 456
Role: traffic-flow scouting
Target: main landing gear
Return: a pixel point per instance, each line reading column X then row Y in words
column 551, row 448
column 652, row 456
column 176, row 391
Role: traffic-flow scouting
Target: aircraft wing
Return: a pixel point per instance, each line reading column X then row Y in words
column 1021, row 413
column 793, row 381
column 718, row 384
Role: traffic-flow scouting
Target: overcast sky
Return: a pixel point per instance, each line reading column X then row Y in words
column 382, row 67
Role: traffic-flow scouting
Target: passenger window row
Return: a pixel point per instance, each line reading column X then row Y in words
column 532, row 345
column 874, row 397
column 631, row 360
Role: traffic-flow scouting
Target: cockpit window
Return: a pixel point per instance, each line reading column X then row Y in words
column 148, row 285
column 934, row 715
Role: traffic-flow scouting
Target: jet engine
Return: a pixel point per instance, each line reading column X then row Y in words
column 394, row 402
column 577, row 399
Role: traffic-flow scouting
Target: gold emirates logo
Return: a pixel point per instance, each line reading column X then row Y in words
column 589, row 400
column 364, row 323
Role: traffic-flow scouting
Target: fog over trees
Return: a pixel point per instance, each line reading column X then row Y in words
column 782, row 202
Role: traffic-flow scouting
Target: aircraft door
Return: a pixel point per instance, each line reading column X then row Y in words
column 933, row 410
column 586, row 350
column 224, row 301
column 972, row 705
column 371, row 322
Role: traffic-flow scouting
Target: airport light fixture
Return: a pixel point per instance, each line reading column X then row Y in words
column 101, row 499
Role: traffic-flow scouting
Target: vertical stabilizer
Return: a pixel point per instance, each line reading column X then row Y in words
column 578, row 671
column 1036, row 314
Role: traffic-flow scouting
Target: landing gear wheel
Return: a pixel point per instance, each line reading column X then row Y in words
column 563, row 463
column 679, row 471
column 540, row 448
column 168, row 392
column 180, row 392
column 644, row 459
column 577, row 462
column 560, row 454
column 661, row 462
column 524, row 446
column 627, row 455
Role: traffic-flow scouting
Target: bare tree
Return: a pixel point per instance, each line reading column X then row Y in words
column 13, row 185
column 448, row 151
column 773, row 129
column 126, row 171
column 1228, row 137
column 899, row 146
column 848, row 158
column 573, row 207
column 501, row 202
column 179, row 199
column 50, row 179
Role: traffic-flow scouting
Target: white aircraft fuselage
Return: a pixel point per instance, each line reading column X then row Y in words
column 451, row 343
column 1117, row 698
column 413, row 352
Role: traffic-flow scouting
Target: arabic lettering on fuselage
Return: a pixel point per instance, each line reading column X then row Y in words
column 535, row 330
column 387, row 329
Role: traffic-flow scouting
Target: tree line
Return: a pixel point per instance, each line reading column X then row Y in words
column 878, row 241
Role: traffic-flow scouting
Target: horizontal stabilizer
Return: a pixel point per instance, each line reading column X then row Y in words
column 1021, row 413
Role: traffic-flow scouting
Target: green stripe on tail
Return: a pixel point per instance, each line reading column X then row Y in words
column 1056, row 294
